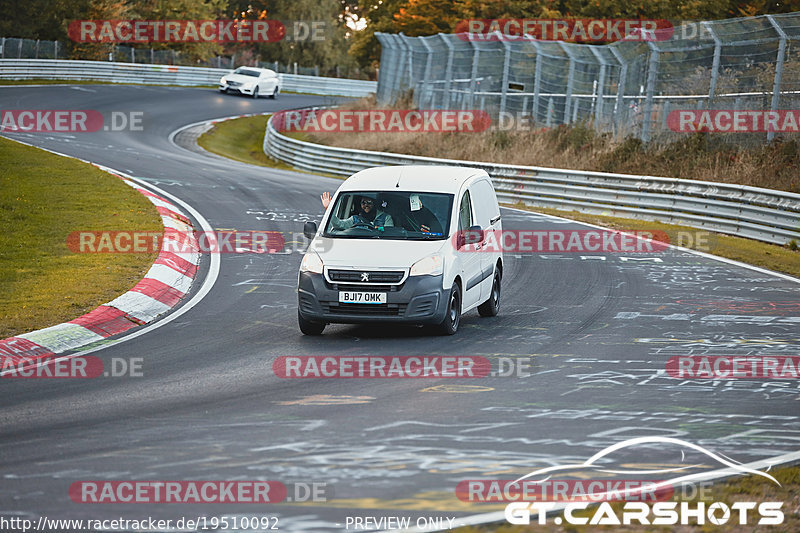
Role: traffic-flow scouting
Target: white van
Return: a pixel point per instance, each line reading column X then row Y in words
column 403, row 244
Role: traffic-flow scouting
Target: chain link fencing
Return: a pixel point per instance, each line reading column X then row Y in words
column 12, row 48
column 629, row 87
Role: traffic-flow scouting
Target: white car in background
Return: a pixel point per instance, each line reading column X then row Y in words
column 251, row 81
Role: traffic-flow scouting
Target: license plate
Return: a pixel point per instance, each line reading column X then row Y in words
column 347, row 297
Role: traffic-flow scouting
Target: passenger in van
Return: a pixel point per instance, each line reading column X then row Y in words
column 368, row 214
column 422, row 219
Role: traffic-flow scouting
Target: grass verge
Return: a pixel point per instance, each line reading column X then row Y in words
column 95, row 82
column 43, row 198
column 750, row 488
column 242, row 139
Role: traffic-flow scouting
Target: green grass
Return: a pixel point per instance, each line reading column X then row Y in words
column 769, row 256
column 43, row 198
column 748, row 488
column 242, row 139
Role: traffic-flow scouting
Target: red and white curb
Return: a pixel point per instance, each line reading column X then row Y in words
column 165, row 284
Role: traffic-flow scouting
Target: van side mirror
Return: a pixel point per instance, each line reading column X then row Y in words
column 310, row 229
column 473, row 235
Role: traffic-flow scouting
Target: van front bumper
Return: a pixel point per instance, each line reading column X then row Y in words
column 419, row 300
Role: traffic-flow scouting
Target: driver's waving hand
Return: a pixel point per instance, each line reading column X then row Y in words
column 368, row 215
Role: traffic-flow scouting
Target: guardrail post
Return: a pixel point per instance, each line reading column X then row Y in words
column 619, row 104
column 506, row 73
column 652, row 72
column 570, row 82
column 776, row 87
column 448, row 71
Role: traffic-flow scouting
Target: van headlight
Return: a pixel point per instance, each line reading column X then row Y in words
column 311, row 263
column 428, row 266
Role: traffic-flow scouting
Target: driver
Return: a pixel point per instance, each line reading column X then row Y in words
column 368, row 214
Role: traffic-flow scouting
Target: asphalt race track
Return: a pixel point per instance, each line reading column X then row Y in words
column 597, row 330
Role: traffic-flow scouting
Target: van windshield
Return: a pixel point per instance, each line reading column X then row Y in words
column 398, row 215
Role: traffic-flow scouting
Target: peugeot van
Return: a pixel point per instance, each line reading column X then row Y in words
column 403, row 244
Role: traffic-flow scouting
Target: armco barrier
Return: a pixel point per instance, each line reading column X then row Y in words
column 762, row 214
column 26, row 69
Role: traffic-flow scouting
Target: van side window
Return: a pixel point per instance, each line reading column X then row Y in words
column 465, row 213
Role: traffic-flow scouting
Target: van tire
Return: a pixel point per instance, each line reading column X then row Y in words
column 491, row 306
column 453, row 316
column 308, row 327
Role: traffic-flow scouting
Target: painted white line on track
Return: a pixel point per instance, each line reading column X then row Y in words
column 733, row 262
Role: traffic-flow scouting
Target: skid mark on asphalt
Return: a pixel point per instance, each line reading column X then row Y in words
column 327, row 399
column 458, row 389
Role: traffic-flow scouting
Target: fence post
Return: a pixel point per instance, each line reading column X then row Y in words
column 36, row 53
column 152, row 57
column 570, row 82
column 55, row 49
column 19, row 50
column 3, row 48
column 506, row 73
column 537, row 81
column 598, row 106
column 776, row 87
column 712, row 86
column 133, row 54
column 426, row 98
column 619, row 105
column 473, row 84
column 652, row 72
column 448, row 77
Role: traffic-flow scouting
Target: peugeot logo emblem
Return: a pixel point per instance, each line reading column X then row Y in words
column 365, row 276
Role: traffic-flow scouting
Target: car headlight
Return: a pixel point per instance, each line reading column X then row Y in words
column 223, row 81
column 311, row 263
column 428, row 266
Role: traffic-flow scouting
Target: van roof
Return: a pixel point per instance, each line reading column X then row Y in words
column 422, row 178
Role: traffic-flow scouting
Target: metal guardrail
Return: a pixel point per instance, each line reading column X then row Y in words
column 25, row 69
column 762, row 214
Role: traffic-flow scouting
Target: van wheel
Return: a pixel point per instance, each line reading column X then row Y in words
column 450, row 324
column 491, row 306
column 308, row 327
